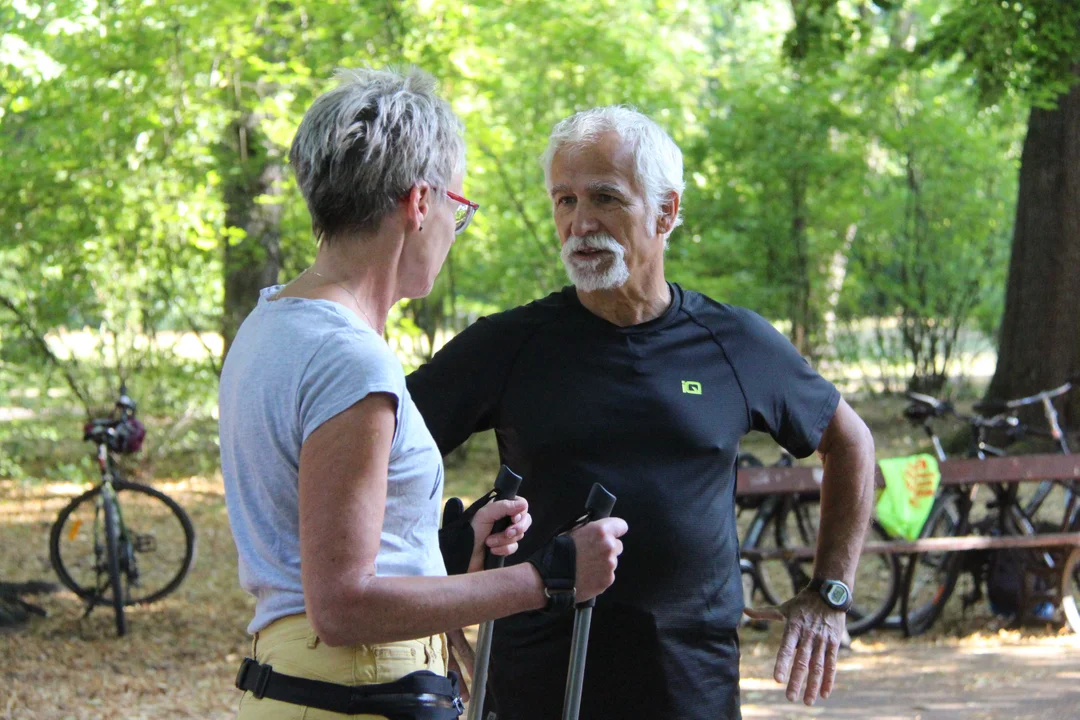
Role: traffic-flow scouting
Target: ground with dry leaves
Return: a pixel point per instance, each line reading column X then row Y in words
column 181, row 654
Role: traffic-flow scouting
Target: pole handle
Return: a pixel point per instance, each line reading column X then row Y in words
column 507, row 483
column 597, row 507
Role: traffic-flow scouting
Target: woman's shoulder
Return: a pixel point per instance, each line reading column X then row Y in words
column 300, row 337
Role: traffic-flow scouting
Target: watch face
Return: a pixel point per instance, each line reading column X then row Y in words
column 838, row 595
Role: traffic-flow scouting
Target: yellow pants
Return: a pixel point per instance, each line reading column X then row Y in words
column 291, row 646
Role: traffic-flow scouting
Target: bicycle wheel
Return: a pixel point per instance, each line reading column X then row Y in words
column 877, row 576
column 877, row 585
column 113, row 551
column 160, row 539
column 1070, row 590
column 793, row 525
column 930, row 578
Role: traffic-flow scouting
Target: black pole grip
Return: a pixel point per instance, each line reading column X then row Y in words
column 507, row 483
column 597, row 507
column 600, row 502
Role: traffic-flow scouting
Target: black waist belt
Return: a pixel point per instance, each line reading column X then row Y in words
column 421, row 695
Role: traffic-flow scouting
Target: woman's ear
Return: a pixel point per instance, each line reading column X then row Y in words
column 418, row 204
column 669, row 210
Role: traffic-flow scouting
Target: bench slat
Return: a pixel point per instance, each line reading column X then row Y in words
column 950, row 544
column 1021, row 468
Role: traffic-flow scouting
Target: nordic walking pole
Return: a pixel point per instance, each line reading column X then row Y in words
column 506, row 488
column 598, row 506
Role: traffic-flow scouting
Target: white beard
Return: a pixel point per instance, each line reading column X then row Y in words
column 602, row 272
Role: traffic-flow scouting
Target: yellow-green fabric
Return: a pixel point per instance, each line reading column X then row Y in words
column 291, row 646
column 910, row 486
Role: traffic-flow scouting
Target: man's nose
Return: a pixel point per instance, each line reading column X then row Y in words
column 584, row 221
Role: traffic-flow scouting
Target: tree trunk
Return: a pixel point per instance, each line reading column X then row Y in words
column 799, row 280
column 1039, row 340
column 253, row 205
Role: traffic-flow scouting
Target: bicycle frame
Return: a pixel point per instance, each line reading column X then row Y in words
column 125, row 544
column 1005, row 495
column 762, row 515
column 775, row 509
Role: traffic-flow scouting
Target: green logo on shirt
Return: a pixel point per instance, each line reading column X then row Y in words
column 691, row 387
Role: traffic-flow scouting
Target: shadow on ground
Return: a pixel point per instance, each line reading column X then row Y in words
column 976, row 678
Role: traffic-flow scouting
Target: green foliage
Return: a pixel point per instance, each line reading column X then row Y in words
column 1024, row 47
column 130, row 134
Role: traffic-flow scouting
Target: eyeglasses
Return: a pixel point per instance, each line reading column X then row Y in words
column 464, row 212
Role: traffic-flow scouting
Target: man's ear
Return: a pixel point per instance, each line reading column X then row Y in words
column 669, row 210
column 418, row 204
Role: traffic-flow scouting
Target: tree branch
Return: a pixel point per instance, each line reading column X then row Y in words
column 43, row 347
column 514, row 196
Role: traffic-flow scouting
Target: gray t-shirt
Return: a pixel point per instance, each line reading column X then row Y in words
column 294, row 364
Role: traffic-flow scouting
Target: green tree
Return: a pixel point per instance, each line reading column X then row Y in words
column 1032, row 50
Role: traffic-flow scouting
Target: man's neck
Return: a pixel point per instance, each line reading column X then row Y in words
column 631, row 304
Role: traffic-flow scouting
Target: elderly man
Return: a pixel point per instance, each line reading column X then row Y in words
column 630, row 380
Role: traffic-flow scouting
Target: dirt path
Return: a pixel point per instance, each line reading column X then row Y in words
column 181, row 655
column 978, row 678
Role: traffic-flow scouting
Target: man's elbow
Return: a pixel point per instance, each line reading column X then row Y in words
column 854, row 435
column 865, row 440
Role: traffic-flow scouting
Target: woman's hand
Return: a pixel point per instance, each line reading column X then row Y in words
column 504, row 543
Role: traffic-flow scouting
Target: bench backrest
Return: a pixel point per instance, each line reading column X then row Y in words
column 1021, row 468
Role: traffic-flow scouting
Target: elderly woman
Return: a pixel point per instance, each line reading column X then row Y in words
column 333, row 483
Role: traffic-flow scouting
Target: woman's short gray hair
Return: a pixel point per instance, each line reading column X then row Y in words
column 658, row 160
column 366, row 143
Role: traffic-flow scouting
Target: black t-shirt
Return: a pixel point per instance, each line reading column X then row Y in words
column 655, row 412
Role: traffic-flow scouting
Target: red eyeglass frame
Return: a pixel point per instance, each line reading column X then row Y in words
column 473, row 207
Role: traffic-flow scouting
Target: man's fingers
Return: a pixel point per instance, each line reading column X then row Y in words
column 817, row 669
column 616, row 526
column 452, row 664
column 786, row 654
column 800, row 666
column 462, row 649
column 765, row 613
column 830, row 668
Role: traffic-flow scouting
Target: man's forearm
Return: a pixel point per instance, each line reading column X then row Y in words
column 847, row 495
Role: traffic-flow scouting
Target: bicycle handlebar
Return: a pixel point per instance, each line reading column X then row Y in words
column 1039, row 397
column 941, row 408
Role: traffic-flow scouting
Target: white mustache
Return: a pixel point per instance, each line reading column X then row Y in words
column 592, row 242
column 595, row 273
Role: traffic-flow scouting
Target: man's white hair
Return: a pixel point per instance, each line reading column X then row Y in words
column 366, row 143
column 658, row 163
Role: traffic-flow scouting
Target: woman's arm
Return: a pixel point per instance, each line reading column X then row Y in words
column 343, row 477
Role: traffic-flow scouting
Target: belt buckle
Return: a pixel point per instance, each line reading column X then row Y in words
column 261, row 681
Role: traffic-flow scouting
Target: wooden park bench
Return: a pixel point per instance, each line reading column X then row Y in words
column 1021, row 468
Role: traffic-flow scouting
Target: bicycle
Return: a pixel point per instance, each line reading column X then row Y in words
column 931, row 578
column 792, row 519
column 120, row 543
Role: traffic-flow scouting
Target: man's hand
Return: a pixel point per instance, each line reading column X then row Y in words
column 808, row 648
column 598, row 548
column 504, row 543
column 461, row 657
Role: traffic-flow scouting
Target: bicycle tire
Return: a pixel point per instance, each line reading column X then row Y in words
column 112, row 559
column 1070, row 591
column 781, row 579
column 877, row 576
column 877, row 586
column 936, row 572
column 138, row 504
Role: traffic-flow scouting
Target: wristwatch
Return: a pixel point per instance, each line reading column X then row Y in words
column 836, row 594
